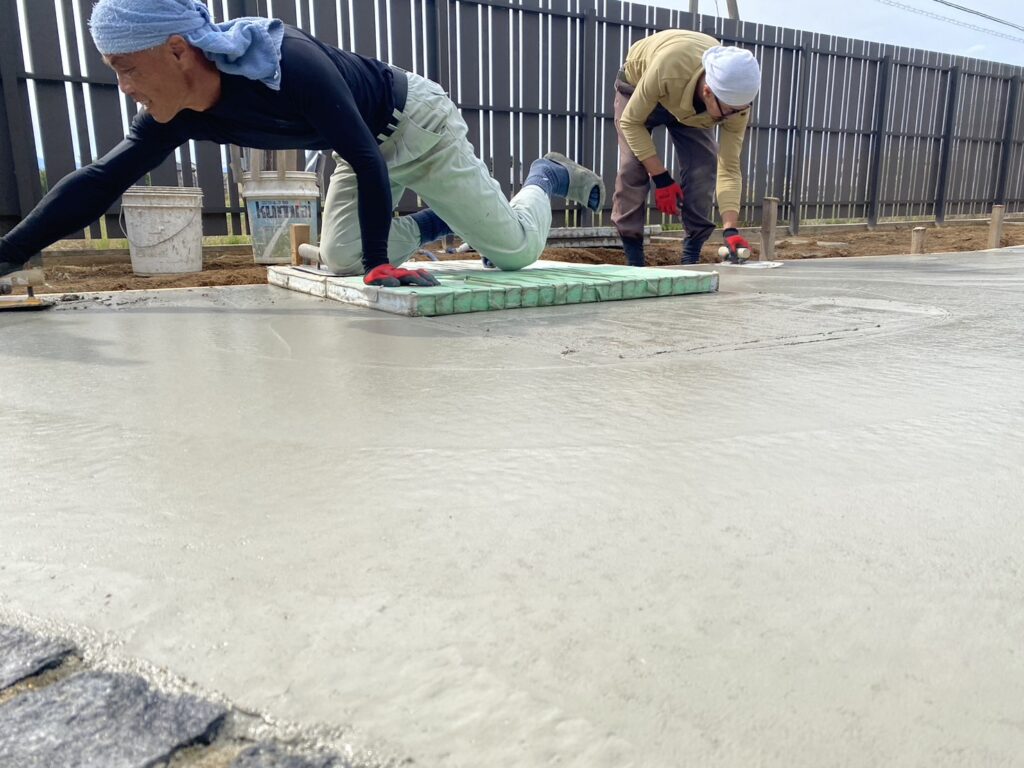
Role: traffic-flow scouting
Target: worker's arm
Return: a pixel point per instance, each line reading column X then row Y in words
column 730, row 175
column 730, row 179
column 82, row 196
column 633, row 122
column 323, row 97
column 668, row 195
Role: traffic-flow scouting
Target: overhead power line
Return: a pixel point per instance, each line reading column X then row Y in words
column 979, row 13
column 958, row 22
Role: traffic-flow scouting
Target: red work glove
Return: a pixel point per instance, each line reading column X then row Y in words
column 734, row 241
column 668, row 196
column 390, row 277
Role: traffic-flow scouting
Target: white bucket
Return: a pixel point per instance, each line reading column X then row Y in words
column 273, row 204
column 164, row 226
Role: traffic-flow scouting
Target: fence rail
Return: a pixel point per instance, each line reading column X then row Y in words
column 843, row 129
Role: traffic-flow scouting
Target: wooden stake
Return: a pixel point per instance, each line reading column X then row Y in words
column 995, row 227
column 917, row 240
column 300, row 236
column 256, row 163
column 769, row 225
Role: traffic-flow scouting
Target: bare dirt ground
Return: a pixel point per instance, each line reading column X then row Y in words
column 75, row 272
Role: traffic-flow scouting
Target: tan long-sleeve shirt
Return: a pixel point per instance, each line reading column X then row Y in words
column 665, row 68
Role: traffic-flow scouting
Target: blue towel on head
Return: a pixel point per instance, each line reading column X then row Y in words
column 250, row 46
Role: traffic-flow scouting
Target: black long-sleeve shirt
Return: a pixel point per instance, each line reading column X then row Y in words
column 329, row 99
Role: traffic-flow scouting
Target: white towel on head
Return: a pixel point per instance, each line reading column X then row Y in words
column 733, row 74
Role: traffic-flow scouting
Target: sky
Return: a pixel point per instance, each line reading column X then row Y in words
column 873, row 20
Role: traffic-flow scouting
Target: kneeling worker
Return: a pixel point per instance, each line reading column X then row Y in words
column 688, row 83
column 259, row 83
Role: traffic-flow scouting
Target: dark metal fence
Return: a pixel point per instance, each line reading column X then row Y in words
column 843, row 129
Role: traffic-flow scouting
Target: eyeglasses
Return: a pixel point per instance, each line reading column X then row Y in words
column 731, row 112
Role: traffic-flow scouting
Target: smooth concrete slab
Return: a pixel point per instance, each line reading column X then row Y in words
column 777, row 525
column 466, row 286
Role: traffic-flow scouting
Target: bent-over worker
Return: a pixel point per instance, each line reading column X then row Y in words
column 688, row 83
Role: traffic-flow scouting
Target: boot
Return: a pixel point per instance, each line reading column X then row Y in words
column 585, row 186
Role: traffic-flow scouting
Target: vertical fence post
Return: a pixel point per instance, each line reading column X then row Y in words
column 947, row 144
column 431, row 40
column 442, row 55
column 25, row 174
column 440, row 59
column 1004, row 154
column 878, row 136
column 239, row 8
column 796, row 164
column 588, row 82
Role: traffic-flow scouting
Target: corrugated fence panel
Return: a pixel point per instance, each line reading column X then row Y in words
column 981, row 113
column 54, row 118
column 19, row 175
column 467, row 81
column 1015, row 159
column 10, row 205
column 915, row 127
column 531, row 50
column 109, row 106
column 500, row 62
column 559, row 74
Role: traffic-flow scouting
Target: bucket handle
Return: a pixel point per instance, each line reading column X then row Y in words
column 120, row 222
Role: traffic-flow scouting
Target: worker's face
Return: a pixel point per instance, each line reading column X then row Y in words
column 154, row 78
column 718, row 109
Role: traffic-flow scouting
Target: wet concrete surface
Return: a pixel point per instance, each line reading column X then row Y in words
column 778, row 525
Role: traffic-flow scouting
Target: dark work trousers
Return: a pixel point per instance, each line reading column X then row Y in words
column 697, row 152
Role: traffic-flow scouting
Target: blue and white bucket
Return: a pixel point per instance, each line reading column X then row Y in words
column 273, row 202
